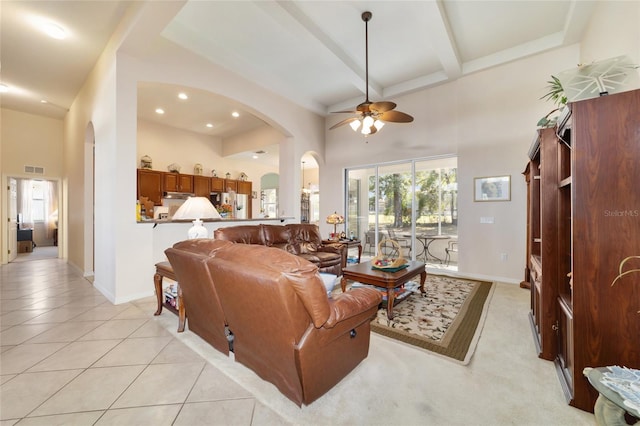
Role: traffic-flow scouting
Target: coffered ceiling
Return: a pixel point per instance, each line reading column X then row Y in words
column 311, row 52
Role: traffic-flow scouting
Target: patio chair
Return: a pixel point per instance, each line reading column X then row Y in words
column 452, row 247
column 403, row 242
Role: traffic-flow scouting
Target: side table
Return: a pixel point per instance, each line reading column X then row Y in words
column 164, row 269
column 610, row 409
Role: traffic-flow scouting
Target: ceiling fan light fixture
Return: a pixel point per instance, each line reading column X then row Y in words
column 372, row 115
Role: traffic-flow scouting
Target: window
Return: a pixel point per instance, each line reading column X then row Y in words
column 403, row 200
column 37, row 200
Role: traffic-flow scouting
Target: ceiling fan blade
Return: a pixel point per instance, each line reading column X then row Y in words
column 395, row 117
column 344, row 112
column 383, row 106
column 343, row 122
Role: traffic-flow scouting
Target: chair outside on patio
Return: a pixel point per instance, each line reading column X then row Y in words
column 452, row 247
column 370, row 241
column 403, row 242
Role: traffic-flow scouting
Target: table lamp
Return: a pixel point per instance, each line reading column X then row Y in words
column 335, row 219
column 197, row 208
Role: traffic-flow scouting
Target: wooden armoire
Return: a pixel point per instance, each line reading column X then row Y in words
column 583, row 183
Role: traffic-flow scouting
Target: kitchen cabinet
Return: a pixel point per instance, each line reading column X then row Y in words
column 201, row 186
column 150, row 185
column 244, row 187
column 217, row 184
column 177, row 182
column 230, row 185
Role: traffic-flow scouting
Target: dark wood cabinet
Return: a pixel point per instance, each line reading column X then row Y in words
column 177, row 182
column 201, row 186
column 150, row 185
column 587, row 209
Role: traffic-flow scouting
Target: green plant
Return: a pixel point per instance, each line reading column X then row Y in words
column 555, row 93
column 557, row 96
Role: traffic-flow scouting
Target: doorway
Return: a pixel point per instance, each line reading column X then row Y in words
column 35, row 214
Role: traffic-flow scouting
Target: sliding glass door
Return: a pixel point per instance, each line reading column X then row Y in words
column 412, row 203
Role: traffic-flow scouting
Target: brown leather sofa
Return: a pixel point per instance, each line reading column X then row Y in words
column 285, row 328
column 301, row 239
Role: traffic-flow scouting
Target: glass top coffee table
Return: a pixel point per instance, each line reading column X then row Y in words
column 365, row 274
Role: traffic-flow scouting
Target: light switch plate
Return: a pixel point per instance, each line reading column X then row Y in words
column 486, row 219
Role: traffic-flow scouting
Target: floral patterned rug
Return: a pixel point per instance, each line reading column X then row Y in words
column 447, row 319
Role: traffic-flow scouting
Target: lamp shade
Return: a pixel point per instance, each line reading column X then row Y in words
column 334, row 218
column 196, row 208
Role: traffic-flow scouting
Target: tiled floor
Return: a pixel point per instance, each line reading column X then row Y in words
column 68, row 356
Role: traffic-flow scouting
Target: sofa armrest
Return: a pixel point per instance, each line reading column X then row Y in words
column 337, row 248
column 351, row 304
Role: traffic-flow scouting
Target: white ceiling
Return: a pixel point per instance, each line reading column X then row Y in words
column 311, row 52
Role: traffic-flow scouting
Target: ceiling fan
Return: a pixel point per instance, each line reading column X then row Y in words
column 372, row 115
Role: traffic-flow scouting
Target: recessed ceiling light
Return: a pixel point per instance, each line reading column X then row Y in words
column 159, row 111
column 53, row 30
column 183, row 96
column 255, row 156
column 209, row 125
column 43, row 101
column 235, row 114
column 4, row 88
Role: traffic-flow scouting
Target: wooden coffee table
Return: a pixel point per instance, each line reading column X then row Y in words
column 362, row 272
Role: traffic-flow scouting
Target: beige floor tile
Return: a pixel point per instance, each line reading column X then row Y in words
column 150, row 329
column 19, row 396
column 133, row 312
column 21, row 333
column 22, row 357
column 61, row 314
column 76, row 355
column 161, row 384
column 158, row 415
column 103, row 312
column 94, row 389
column 213, row 385
column 237, row 412
column 76, row 419
column 134, row 351
column 66, row 332
column 176, row 352
column 114, row 329
column 6, row 377
column 18, row 317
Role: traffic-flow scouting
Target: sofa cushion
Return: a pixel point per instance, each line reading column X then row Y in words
column 246, row 234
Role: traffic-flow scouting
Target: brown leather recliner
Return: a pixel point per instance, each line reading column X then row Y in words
column 285, row 327
column 205, row 316
column 301, row 239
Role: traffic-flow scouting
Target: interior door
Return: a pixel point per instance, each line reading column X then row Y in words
column 12, row 214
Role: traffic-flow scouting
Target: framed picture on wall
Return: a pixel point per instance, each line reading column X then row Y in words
column 494, row 188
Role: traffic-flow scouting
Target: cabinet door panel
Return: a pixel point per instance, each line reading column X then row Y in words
column 217, row 184
column 170, row 182
column 201, row 186
column 244, row 187
column 185, row 183
column 230, row 185
column 150, row 185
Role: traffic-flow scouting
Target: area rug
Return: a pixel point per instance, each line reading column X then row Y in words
column 446, row 320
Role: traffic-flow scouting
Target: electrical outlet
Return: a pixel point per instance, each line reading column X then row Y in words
column 503, row 257
column 486, row 219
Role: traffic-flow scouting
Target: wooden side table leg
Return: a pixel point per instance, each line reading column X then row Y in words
column 359, row 252
column 423, row 278
column 391, row 296
column 157, row 281
column 182, row 316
